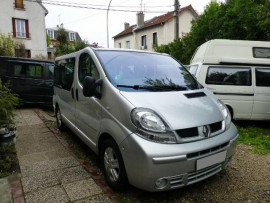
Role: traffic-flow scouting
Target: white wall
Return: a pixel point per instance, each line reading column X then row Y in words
column 165, row 33
column 123, row 39
column 35, row 15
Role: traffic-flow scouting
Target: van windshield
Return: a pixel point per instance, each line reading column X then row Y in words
column 140, row 71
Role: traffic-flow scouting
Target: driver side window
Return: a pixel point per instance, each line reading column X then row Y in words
column 87, row 67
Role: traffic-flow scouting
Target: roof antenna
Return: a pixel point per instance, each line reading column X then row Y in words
column 141, row 5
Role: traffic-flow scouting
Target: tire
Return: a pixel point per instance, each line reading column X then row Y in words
column 61, row 126
column 113, row 166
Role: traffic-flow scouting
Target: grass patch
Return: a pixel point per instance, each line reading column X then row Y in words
column 8, row 160
column 255, row 134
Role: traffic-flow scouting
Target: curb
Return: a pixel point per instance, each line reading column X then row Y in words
column 17, row 191
column 93, row 172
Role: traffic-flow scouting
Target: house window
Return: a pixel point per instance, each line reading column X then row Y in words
column 72, row 36
column 119, row 44
column 144, row 42
column 128, row 44
column 20, row 28
column 19, row 4
column 154, row 38
column 51, row 33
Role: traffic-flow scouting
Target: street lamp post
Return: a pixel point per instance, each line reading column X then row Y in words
column 108, row 24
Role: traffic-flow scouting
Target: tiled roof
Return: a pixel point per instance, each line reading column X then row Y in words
column 155, row 21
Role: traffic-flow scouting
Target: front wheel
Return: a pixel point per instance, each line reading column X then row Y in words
column 59, row 121
column 113, row 165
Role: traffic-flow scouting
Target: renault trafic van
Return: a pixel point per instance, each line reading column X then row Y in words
column 238, row 73
column 151, row 123
column 31, row 79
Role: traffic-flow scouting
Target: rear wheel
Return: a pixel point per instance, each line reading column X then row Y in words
column 113, row 165
column 59, row 121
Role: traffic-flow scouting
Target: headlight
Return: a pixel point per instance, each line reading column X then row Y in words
column 151, row 127
column 226, row 113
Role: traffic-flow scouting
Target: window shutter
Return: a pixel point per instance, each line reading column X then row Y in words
column 18, row 3
column 14, row 27
column 27, row 28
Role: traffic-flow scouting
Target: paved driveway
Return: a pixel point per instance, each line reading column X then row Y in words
column 50, row 172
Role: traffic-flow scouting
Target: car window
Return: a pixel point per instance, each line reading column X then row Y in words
column 151, row 72
column 87, row 67
column 219, row 75
column 34, row 71
column 51, row 71
column 263, row 77
column 27, row 70
column 193, row 69
column 64, row 73
column 3, row 67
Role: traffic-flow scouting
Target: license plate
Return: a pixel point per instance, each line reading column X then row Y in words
column 211, row 160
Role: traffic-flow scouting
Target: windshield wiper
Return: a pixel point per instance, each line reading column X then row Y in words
column 154, row 88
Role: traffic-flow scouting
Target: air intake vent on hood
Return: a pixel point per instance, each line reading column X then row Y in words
column 194, row 95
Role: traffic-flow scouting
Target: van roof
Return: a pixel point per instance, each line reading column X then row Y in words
column 220, row 51
column 9, row 58
column 104, row 49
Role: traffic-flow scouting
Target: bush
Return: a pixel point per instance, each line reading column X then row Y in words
column 8, row 102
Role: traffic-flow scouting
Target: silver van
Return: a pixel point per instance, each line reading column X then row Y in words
column 151, row 123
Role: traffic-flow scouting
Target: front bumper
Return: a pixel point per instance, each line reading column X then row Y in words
column 146, row 161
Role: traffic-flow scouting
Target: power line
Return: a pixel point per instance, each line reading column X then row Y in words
column 100, row 5
column 93, row 8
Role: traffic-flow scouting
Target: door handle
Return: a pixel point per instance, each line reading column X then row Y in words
column 77, row 95
column 72, row 93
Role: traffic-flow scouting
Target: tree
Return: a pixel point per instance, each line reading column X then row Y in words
column 6, row 45
column 66, row 47
column 236, row 19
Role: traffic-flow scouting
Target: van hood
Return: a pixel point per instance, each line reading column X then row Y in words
column 177, row 110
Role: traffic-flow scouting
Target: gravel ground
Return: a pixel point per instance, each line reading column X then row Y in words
column 247, row 179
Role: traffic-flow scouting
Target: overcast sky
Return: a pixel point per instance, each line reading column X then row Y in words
column 91, row 24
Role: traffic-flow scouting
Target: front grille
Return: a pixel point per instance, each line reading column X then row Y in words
column 188, row 132
column 176, row 182
column 216, row 126
column 203, row 173
column 197, row 132
column 207, row 151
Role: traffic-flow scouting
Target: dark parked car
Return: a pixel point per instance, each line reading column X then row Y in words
column 31, row 79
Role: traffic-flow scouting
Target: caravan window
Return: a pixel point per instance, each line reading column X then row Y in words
column 263, row 77
column 218, row 75
column 261, row 52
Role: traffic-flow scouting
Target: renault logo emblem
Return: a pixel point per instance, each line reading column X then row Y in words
column 206, row 131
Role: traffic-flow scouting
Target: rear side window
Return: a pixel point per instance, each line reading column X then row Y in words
column 261, row 52
column 263, row 77
column 3, row 67
column 218, row 75
column 64, row 73
column 27, row 70
column 193, row 69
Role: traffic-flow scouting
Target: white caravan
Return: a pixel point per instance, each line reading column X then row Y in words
column 238, row 73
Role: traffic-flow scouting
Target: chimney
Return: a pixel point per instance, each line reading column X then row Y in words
column 140, row 19
column 126, row 25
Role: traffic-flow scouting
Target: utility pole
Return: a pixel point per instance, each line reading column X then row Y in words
column 108, row 44
column 176, row 18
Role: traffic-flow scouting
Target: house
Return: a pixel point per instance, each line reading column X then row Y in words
column 158, row 30
column 72, row 36
column 25, row 20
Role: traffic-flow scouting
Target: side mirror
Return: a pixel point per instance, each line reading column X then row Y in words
column 90, row 85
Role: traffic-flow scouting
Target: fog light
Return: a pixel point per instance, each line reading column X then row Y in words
column 161, row 183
